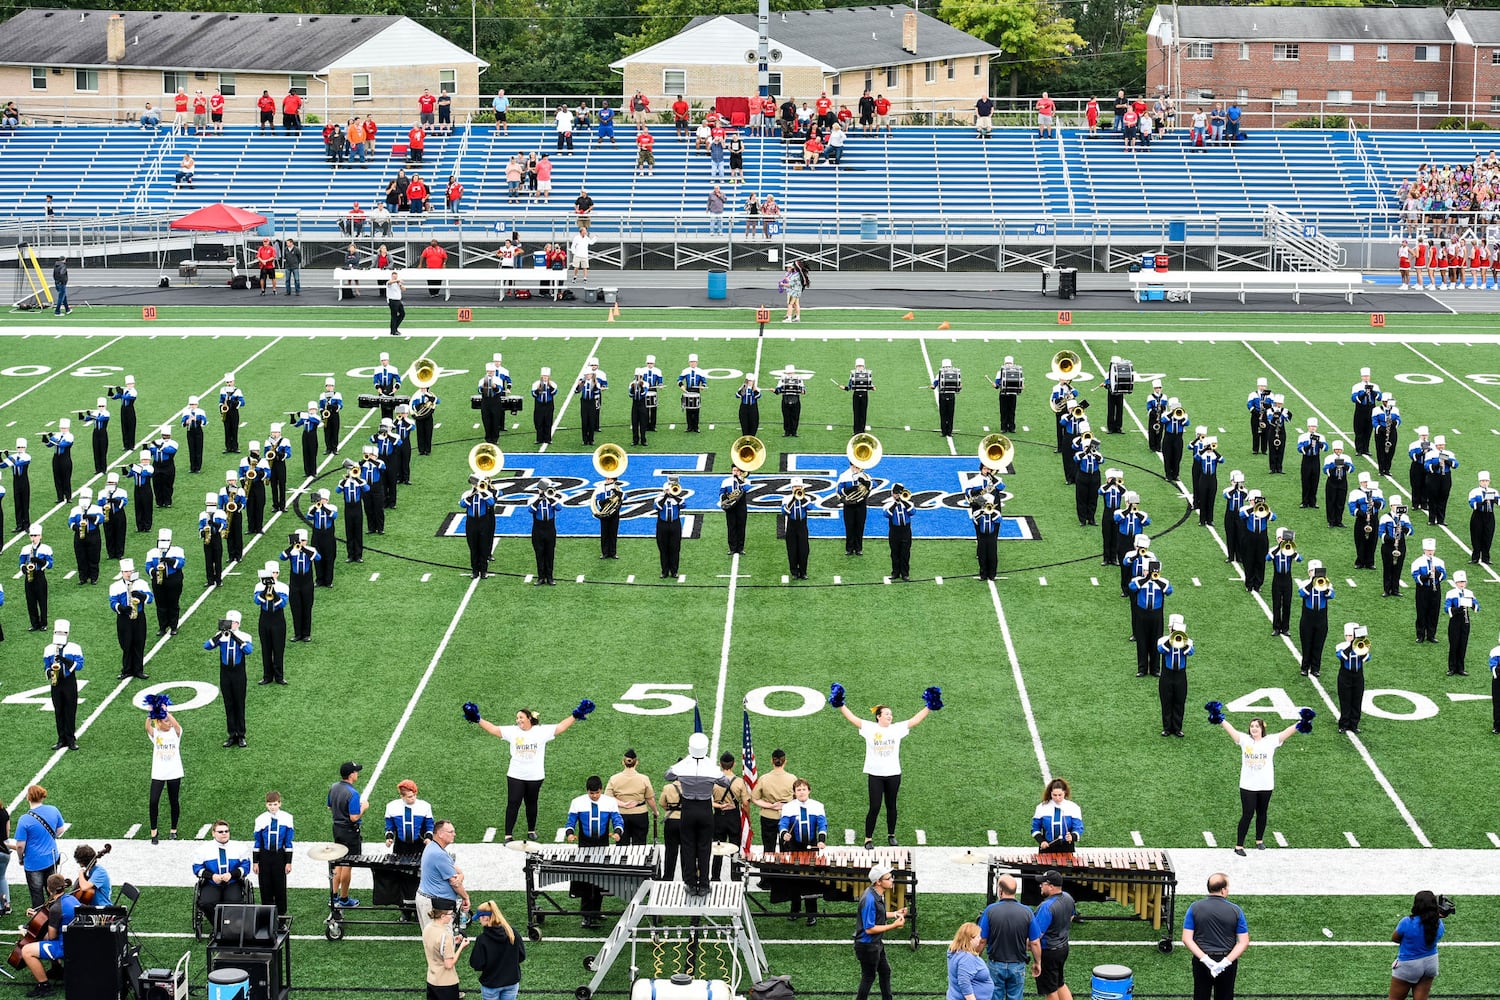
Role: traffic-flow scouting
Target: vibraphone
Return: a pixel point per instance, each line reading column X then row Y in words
column 837, row 874
column 619, row 871
column 396, row 878
column 1141, row 880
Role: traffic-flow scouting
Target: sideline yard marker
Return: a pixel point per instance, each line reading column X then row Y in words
column 1280, row 838
column 994, row 838
column 1208, row 838
column 489, row 835
column 1350, row 837
column 1135, row 838
column 203, row 831
column 132, row 831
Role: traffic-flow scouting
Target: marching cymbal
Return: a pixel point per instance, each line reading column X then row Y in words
column 524, row 846
column 327, row 852
column 969, row 857
column 725, row 849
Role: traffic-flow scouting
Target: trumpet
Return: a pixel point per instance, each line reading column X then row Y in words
column 1360, row 646
column 1287, row 549
column 611, row 461
column 1321, row 583
column 1260, row 508
column 799, row 493
column 1177, row 639
column 480, row 484
column 996, row 451
column 864, row 451
column 1078, row 411
column 672, row 488
column 486, row 459
column 902, row 495
column 1179, row 414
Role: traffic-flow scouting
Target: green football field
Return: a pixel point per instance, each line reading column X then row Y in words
column 1036, row 670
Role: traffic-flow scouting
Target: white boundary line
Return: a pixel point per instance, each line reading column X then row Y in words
column 1015, row 672
column 1481, row 396
column 932, row 377
column 60, row 371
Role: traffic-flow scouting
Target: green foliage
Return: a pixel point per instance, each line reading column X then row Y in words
column 1031, row 34
column 1320, row 121
column 1456, row 123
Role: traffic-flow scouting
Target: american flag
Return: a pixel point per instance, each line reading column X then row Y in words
column 748, row 772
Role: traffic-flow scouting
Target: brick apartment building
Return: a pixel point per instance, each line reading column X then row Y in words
column 1388, row 67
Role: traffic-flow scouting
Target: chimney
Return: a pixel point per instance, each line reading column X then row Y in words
column 909, row 32
column 115, row 38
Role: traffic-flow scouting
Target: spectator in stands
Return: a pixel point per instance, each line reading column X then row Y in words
column 768, row 115
column 544, row 178
column 180, row 111
column 583, row 207
column 640, row 107
column 334, row 141
column 984, row 110
column 845, row 117
column 533, row 161
column 416, row 144
column 292, row 257
column 150, row 117
column 291, row 113
column 416, row 195
column 563, row 123
column 50, row 211
column 1200, row 126
column 700, row 138
column 867, row 112
column 582, row 118
column 769, row 215
column 836, row 140
column 804, row 119
column 717, row 155
column 1132, row 127
column 752, row 215
column 606, row 126
column 455, row 192
column 736, row 147
column 185, row 171
column 353, row 224
column 1046, row 110
column 515, row 172
column 579, row 249
column 200, row 113
column 812, row 152
column 434, row 258
column 788, row 119
column 1091, row 115
column 1122, row 104
column 883, row 114
column 427, row 109
column 11, row 116
column 355, row 133
column 380, row 220
column 1148, row 129
column 501, row 106
column 370, row 129
column 1162, row 113
column 1216, row 122
column 715, row 208
column 351, row 263
column 645, row 159
column 1232, row 122
column 392, row 197
column 216, row 111
column 680, row 114
column 266, row 105
column 823, row 108
column 445, row 112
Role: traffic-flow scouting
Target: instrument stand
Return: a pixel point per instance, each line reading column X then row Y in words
column 724, row 911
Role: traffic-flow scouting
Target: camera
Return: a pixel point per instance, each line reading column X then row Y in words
column 1446, row 907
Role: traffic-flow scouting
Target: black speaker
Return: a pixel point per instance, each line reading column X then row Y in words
column 1067, row 283
column 96, row 961
column 262, row 967
column 244, row 925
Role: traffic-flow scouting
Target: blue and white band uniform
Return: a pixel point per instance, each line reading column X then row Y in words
column 1282, row 562
column 62, row 443
column 300, row 560
column 278, row 449
column 215, row 519
column 122, row 593
column 308, row 421
column 1394, row 528
column 276, row 600
column 322, row 516
column 352, row 489
column 1173, row 425
column 807, row 822
column 1150, row 595
column 987, row 482
column 1428, row 571
column 1348, row 658
column 225, row 859
column 99, row 418
column 233, row 648
column 544, row 391
column 1052, row 821
column 408, row 824
column 898, row 512
column 1312, row 598
column 274, row 832
column 1173, row 658
column 476, row 504
column 40, row 556
column 668, row 508
column 332, row 402
column 1209, row 461
column 1256, row 523
column 194, row 416
column 795, row 509
column 1131, row 522
column 692, row 380
column 1460, row 599
column 386, row 379
column 71, row 656
column 1483, row 499
column 543, row 509
column 1366, row 500
column 595, row 820
column 232, row 393
column 161, row 449
column 1308, row 445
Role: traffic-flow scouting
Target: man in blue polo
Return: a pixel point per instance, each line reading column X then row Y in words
column 1004, row 926
column 441, row 878
column 347, row 807
column 1215, row 931
column 1047, row 937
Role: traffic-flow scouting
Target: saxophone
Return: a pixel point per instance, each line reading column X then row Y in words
column 83, row 526
column 54, row 671
column 207, row 532
column 30, row 567
column 135, row 606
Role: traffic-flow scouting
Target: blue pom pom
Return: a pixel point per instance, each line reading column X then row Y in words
column 584, row 708
column 933, row 697
column 1215, row 712
column 1307, row 714
column 1304, row 727
column 471, row 712
column 836, row 695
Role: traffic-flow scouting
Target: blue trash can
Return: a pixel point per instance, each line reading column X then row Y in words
column 228, row 984
column 1111, row 982
column 718, row 284
column 1148, row 261
column 1177, row 232
column 867, row 228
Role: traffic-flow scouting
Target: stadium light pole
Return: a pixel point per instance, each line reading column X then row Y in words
column 762, row 49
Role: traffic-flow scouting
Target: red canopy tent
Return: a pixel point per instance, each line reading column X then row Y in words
column 220, row 218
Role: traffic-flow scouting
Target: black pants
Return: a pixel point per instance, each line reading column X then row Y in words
column 231, row 424
column 726, row 831
column 1312, row 469
column 1385, row 449
column 36, row 599
column 232, row 688
column 947, row 401
column 1281, row 602
column 1114, row 413
column 278, row 485
column 213, row 560
column 854, row 528
column 164, row 482
column 797, row 549
column 255, row 505
column 734, row 522
column 1234, row 530
column 986, row 551
column 637, row 828
column 749, row 419
column 1365, row 526
column 1363, row 424
column 331, row 433
column 1481, row 535
column 374, row 503
column 86, row 552
column 697, row 843
column 639, row 418
column 791, row 414
column 272, row 876
column 1148, row 629
column 1207, row 986
column 1458, row 640
column 62, row 476
column 173, row 787
column 609, row 536
column 1335, row 498
column 325, row 540
column 65, row 708
column 900, row 541
column 861, row 410
column 131, row 633
column 1008, row 413
column 354, row 532
column 1086, row 497
column 519, row 791
column 651, row 409
column 1277, row 450
column 541, row 419
column 20, row 492
column 881, row 789
column 1428, row 603
column 589, row 413
column 211, row 894
column 100, row 440
column 1253, row 803
column 1312, row 630
column 398, row 313
column 544, row 546
column 671, row 835
column 1255, row 545
column 141, row 499
column 169, row 602
column 1069, row 467
column 691, row 414
column 668, row 545
column 114, row 534
column 1351, row 697
column 1206, row 496
column 1171, row 456
column 1171, row 689
column 770, row 830
column 491, row 418
column 1438, row 488
column 309, row 452
column 1391, row 567
column 301, row 604
column 1154, row 431
column 272, row 632
column 424, row 436
column 128, row 440
column 872, row 965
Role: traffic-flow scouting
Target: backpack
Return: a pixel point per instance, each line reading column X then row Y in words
column 774, row 988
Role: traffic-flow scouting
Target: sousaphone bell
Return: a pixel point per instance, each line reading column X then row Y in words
column 610, row 461
column 749, row 453
column 996, row 451
column 485, row 460
column 1067, row 367
column 864, row 451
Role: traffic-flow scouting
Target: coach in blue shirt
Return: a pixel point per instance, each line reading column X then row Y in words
column 1047, row 937
column 1214, row 930
column 441, row 878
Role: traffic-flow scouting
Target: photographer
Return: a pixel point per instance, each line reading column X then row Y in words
column 1416, row 964
column 272, row 597
column 233, row 646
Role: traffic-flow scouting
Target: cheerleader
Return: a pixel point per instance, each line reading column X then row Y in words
column 165, row 733
column 1257, row 776
column 1420, row 261
column 1479, row 262
column 1403, row 261
column 1057, row 823
column 883, row 738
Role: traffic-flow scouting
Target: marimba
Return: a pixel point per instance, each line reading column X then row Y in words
column 838, row 874
column 396, row 877
column 1142, row 880
column 618, row 871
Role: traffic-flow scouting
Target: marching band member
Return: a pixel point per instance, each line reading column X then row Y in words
column 1460, row 606
column 594, row 820
column 112, row 503
column 791, row 389
column 1312, row 629
column 300, row 557
column 1277, row 421
column 1259, row 404
column 590, row 389
column 1395, row 527
column 478, row 503
column 1429, row 572
column 728, row 801
column 330, row 408
column 165, row 734
column 211, row 527
column 640, row 414
column 1206, row 493
column 1113, row 491
column 1336, row 472
column 1114, row 402
column 35, row 562
column 861, row 383
column 1156, row 408
column 1439, row 464
column 654, row 380
column 231, row 401
column 164, row 461
column 372, row 470
column 1174, row 423
column 1482, row 501
column 692, row 382
column 352, row 489
column 1130, row 522
column 1366, row 504
column 898, row 509
column 99, row 417
column 232, row 500
column 491, row 403
column 61, row 444
column 544, row 507
column 271, row 853
column 62, row 659
column 1150, row 591
column 278, row 453
column 141, row 473
column 309, row 421
column 221, row 869
column 1311, row 445
column 527, row 741
column 1194, row 448
column 323, row 516
column 272, row 597
column 233, row 647
column 1234, row 500
column 795, row 508
column 85, row 521
column 733, row 498
column 605, row 506
column 853, row 489
column 635, row 797
column 1352, row 659
column 193, row 421
column 422, row 412
column 749, row 397
column 386, row 443
column 988, row 481
column 668, row 506
column 408, row 821
column 1417, row 476
column 883, row 737
column 544, row 400
column 1386, row 420
column 1282, row 557
column 1057, row 822
column 126, row 394
column 802, row 826
column 987, row 519
column 403, row 425
column 255, row 471
column 1173, row 649
column 1062, row 400
column 1086, row 477
column 1010, row 392
column 387, row 380
column 1072, row 423
column 1366, row 396
column 1255, row 542
column 1495, row 684
column 164, row 566
column 128, row 597
column 19, row 463
column 948, row 383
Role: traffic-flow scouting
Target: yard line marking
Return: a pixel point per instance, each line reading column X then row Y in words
column 203, row 831
column 938, row 580
column 1135, row 838
column 426, row 577
column 489, row 835
column 1197, row 582
column 60, row 371
column 631, row 579
column 1015, row 670
column 838, row 579
column 1041, row 581
column 133, row 831
column 1280, row 838
column 734, row 582
column 994, row 838
column 885, row 579
column 557, row 420
column 848, row 836
column 682, row 578
column 1350, row 837
column 1455, row 378
column 921, row 838
column 1467, row 697
column 577, row 579
column 1350, row 581
column 527, row 578
column 69, row 574
column 374, row 576
column 1094, row 580
column 1493, row 839
column 1208, row 838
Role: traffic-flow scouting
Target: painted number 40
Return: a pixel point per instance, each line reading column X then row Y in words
column 781, row 700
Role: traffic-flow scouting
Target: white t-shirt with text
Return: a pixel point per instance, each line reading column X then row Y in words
column 528, row 751
column 883, row 747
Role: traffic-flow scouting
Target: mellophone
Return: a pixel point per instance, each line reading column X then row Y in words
column 617, row 870
column 1141, row 880
column 839, row 874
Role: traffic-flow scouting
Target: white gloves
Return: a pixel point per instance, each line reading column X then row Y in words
column 1214, row 968
column 1208, row 962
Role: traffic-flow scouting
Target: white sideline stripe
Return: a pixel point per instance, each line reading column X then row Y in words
column 1350, row 837
column 1015, row 671
column 1208, row 838
column 932, row 377
column 489, row 835
column 1135, row 838
column 1493, row 839
column 63, row 370
column 132, row 831
column 994, row 838
column 1280, row 838
column 921, row 838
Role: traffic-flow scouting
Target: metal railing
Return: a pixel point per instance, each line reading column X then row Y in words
column 152, row 173
column 1298, row 246
column 1371, row 180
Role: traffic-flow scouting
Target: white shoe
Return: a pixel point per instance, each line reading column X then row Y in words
column 788, row 320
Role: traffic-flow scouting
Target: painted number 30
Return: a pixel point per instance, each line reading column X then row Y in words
column 782, row 700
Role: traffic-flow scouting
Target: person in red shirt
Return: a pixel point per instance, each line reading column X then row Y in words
column 267, row 106
column 882, row 114
column 427, row 107
column 455, row 192
column 824, row 106
column 1046, row 110
column 200, row 113
column 180, row 106
column 354, row 222
column 291, row 113
column 767, row 115
column 416, row 195
column 416, row 142
column 1132, row 122
column 644, row 157
column 265, row 256
column 434, row 258
column 370, row 129
column 680, row 113
column 216, row 112
column 845, row 116
column 717, row 132
column 1091, row 113
column 812, row 151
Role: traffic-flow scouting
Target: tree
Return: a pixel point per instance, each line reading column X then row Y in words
column 1031, row 34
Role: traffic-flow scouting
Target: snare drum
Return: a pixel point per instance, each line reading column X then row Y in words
column 1011, row 380
column 1122, row 378
column 861, row 381
column 691, row 401
column 950, row 380
column 651, row 399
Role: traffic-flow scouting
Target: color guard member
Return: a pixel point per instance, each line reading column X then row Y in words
column 1429, row 572
column 1460, row 606
column 271, row 853
column 62, row 659
column 233, row 647
column 272, row 597
column 231, row 401
column 1352, row 657
column 1482, row 502
column 544, row 402
column 635, row 798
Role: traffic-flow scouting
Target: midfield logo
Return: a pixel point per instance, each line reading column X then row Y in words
column 936, row 483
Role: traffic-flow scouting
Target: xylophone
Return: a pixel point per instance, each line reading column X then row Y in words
column 1141, row 880
column 839, row 874
column 396, row 877
column 619, row 871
